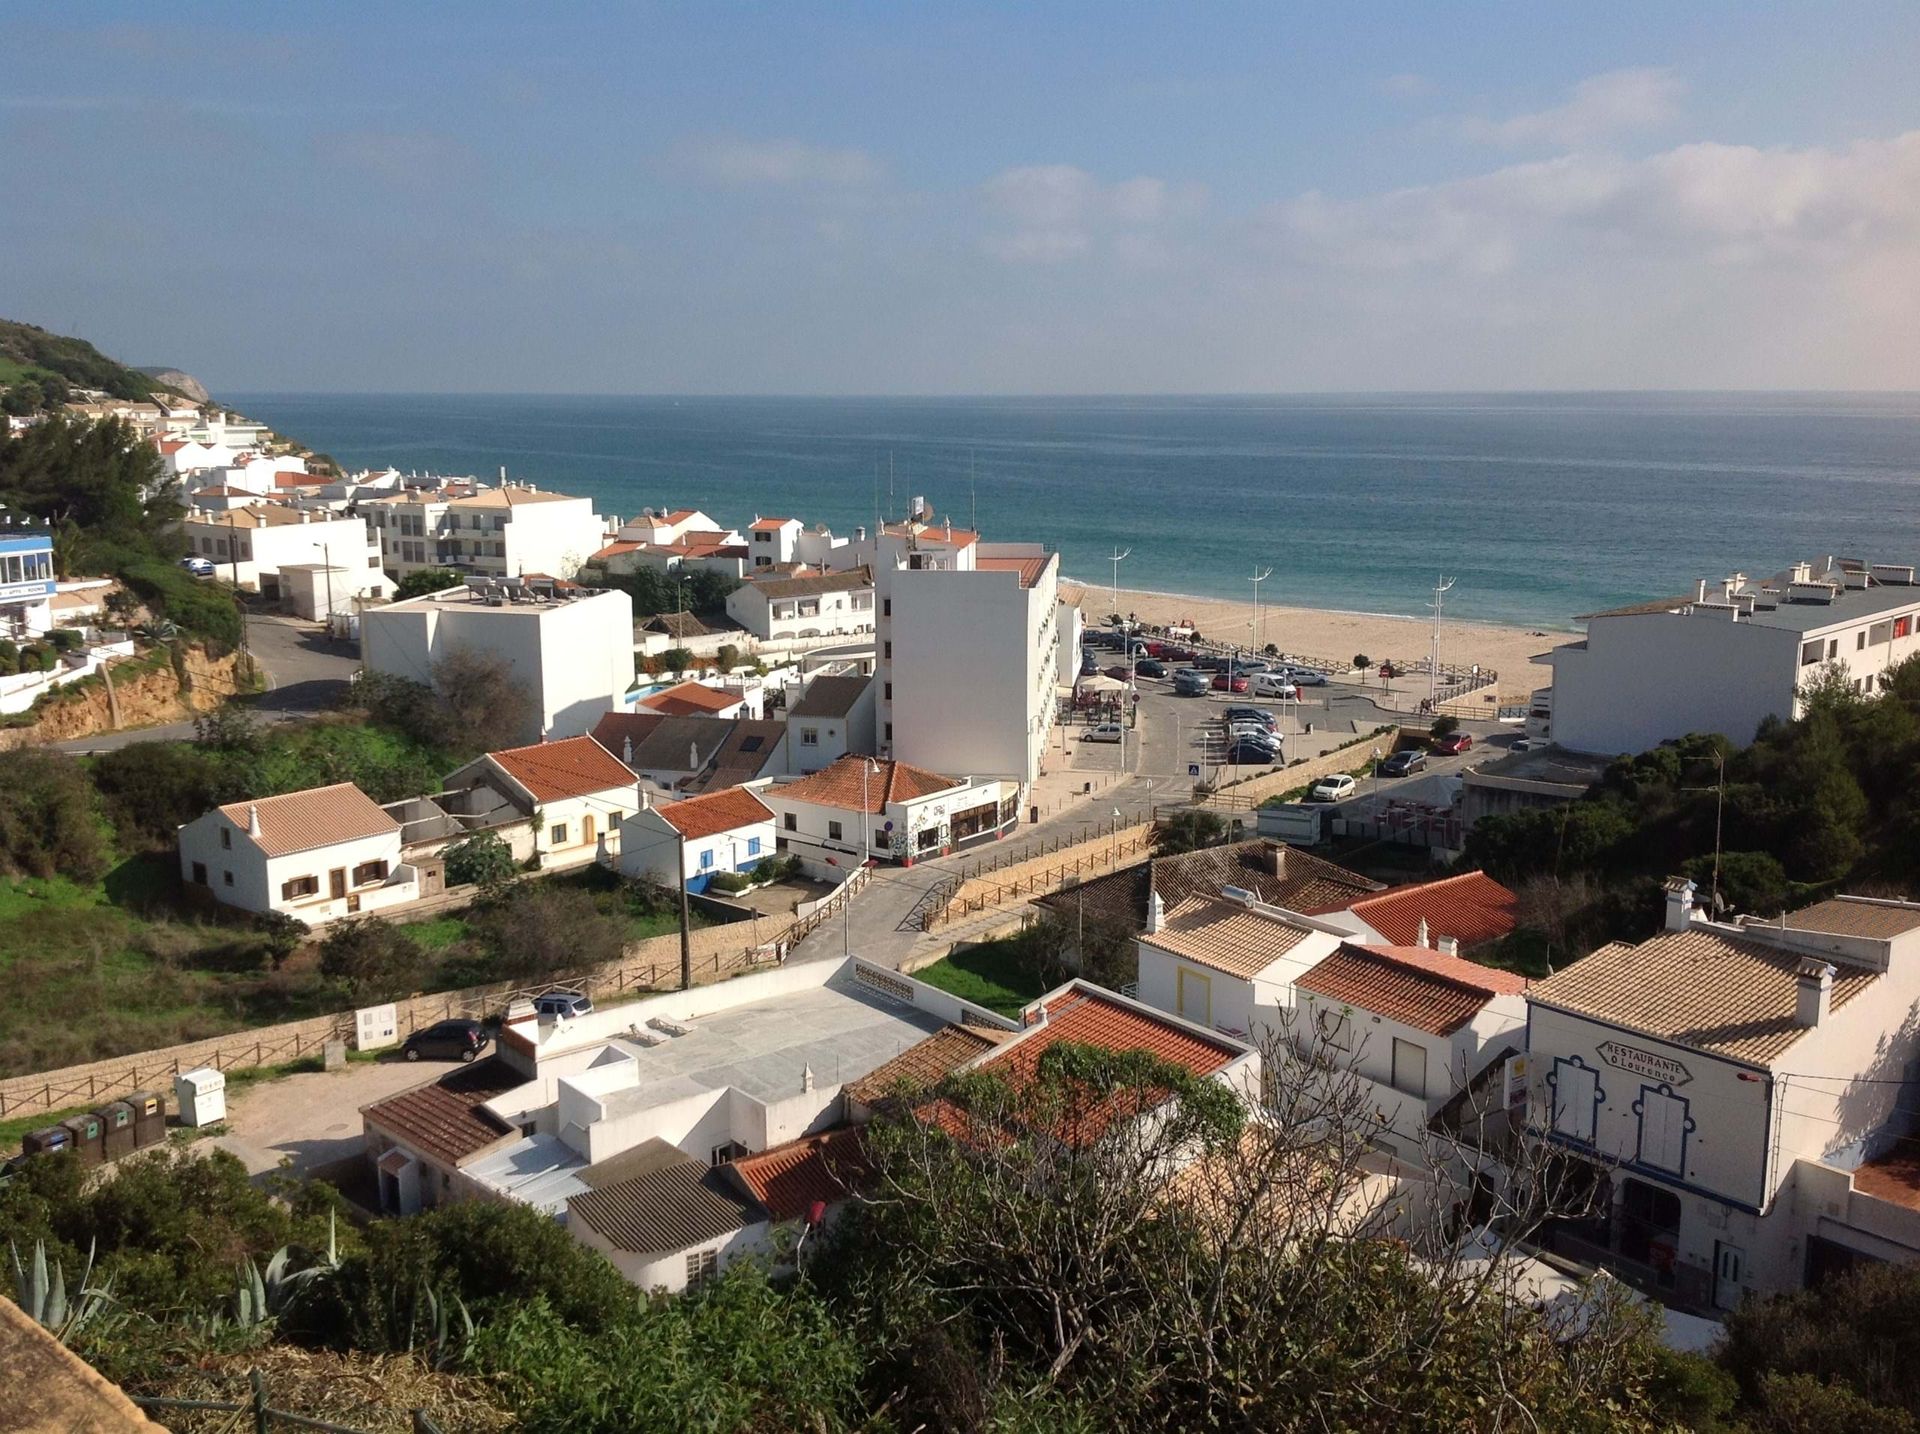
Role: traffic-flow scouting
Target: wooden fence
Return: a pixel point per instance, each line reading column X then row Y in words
column 954, row 899
column 653, row 965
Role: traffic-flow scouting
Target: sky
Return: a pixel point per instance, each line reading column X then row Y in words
column 954, row 199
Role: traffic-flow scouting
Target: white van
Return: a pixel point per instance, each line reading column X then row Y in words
column 1272, row 684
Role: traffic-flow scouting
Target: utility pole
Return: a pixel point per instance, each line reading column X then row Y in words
column 1440, row 590
column 1259, row 619
column 686, row 918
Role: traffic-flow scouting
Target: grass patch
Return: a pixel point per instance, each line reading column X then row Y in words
column 439, row 933
column 994, row 974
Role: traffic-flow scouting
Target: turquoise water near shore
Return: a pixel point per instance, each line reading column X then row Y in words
column 1541, row 506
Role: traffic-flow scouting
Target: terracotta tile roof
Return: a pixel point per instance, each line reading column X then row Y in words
column 1226, row 936
column 788, row 1180
column 768, row 525
column 831, row 696
column 447, row 1119
column 812, row 585
column 744, row 755
column 615, row 729
column 1416, row 987
column 716, row 812
column 317, row 817
column 934, row 532
column 671, row 1208
column 678, row 624
column 1472, row 908
column 1118, row 897
column 1852, row 916
column 1700, row 988
column 1278, row 874
column 511, row 496
column 614, row 550
column 689, row 698
column 571, row 767
column 923, row 1064
column 838, row 785
column 680, row 515
column 1028, row 568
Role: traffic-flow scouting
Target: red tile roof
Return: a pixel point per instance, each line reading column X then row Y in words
column 838, row 785
column 614, row 550
column 1472, row 908
column 1028, row 568
column 1418, row 988
column 446, row 1119
column 615, row 729
column 690, row 698
column 721, row 811
column 571, row 767
column 767, row 525
column 306, row 821
column 789, row 1180
column 926, row 1063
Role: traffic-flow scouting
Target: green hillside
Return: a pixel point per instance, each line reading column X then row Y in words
column 38, row 370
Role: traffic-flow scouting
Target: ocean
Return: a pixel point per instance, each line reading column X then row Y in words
column 1539, row 506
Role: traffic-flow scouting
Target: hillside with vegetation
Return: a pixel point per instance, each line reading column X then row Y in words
column 40, row 370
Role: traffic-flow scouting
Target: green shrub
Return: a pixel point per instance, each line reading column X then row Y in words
column 66, row 639
column 150, row 789
column 49, row 820
column 482, row 859
column 372, row 960
column 1445, row 724
column 730, row 881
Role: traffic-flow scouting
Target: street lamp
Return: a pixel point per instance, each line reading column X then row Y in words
column 326, row 556
column 1117, row 558
column 1259, row 624
column 868, row 767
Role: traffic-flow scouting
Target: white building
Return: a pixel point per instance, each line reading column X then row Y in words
column 820, row 605
column 574, row 790
column 512, row 531
column 316, row 855
column 833, row 718
column 860, row 809
column 249, row 546
column 572, row 651
column 1742, row 1091
column 672, row 542
column 1730, row 654
column 697, row 839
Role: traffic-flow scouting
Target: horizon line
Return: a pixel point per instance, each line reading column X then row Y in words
column 1088, row 395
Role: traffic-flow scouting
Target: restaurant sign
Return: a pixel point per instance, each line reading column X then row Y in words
column 1645, row 1063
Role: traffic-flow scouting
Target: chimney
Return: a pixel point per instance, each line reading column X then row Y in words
column 806, row 1078
column 1680, row 894
column 1813, row 992
column 1156, row 912
column 1700, row 593
column 1277, row 858
column 626, row 750
column 1449, row 946
column 253, row 819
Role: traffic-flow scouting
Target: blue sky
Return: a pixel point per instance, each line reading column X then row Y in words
column 1021, row 199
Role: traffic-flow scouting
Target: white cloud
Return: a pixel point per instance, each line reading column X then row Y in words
column 1618, row 102
column 788, row 163
column 1048, row 212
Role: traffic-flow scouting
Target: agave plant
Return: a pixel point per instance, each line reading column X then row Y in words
column 444, row 1339
column 44, row 1296
column 264, row 1296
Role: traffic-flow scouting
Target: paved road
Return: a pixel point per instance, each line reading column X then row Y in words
column 306, row 671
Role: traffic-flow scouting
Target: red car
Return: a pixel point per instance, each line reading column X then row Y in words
column 1453, row 744
column 1235, row 684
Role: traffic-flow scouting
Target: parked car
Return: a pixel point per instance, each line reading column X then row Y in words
column 1089, row 665
column 1403, row 764
column 1212, row 662
column 1453, row 744
column 199, row 567
column 1252, row 714
column 1336, row 788
column 1149, row 667
column 1169, row 653
column 1305, row 676
column 1229, row 682
column 1119, row 672
column 1273, row 684
column 1105, row 732
column 447, row 1041
column 1191, row 682
column 562, row 1005
column 1530, row 744
column 1248, row 753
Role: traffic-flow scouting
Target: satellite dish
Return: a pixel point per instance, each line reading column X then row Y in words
column 887, row 828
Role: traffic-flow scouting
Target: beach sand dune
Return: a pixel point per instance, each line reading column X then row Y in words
column 1337, row 636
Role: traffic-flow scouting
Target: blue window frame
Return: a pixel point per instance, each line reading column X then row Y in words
column 753, row 846
column 706, row 860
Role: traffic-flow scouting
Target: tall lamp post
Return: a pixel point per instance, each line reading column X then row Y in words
column 1440, row 590
column 1259, row 618
column 1118, row 558
column 326, row 558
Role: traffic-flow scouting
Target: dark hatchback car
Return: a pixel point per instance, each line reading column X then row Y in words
column 1250, row 752
column 447, row 1041
column 1403, row 764
column 1150, row 667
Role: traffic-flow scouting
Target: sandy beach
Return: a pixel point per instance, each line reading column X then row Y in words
column 1308, row 632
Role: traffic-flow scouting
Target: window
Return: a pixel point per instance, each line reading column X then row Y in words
column 1903, row 626
column 702, row 1265
column 1410, row 1067
column 889, row 731
column 1880, row 633
column 226, row 878
column 886, row 607
column 557, row 834
column 706, row 861
column 1335, row 1029
column 809, row 736
column 889, row 698
column 226, row 839
column 1576, row 1091
column 199, row 873
column 889, row 652
column 927, row 838
column 369, row 871
column 751, row 744
column 790, row 822
column 1810, row 653
column 726, row 1150
column 1195, row 993
column 298, row 887
column 882, row 838
column 1663, row 1129
column 833, row 831
column 1833, row 648
column 753, row 846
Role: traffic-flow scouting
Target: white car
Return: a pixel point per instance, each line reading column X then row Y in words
column 1333, row 789
column 1273, row 684
column 1105, row 732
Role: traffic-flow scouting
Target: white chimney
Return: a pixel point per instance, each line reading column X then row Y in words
column 1700, row 593
column 626, row 750
column 1449, row 946
column 1277, row 858
column 1422, row 940
column 806, row 1078
column 1680, row 893
column 1156, row 912
column 1813, row 992
column 253, row 819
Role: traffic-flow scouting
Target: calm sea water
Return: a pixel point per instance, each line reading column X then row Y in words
column 1540, row 506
